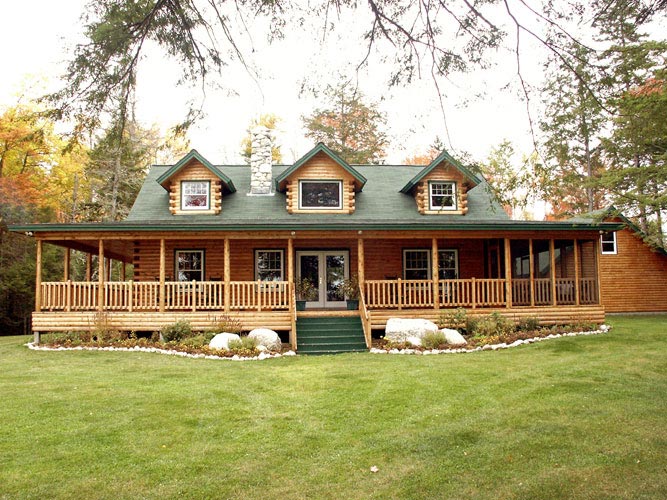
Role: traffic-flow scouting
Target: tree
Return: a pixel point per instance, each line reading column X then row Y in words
column 349, row 126
column 269, row 121
column 637, row 155
column 572, row 124
column 426, row 158
column 116, row 170
column 203, row 37
column 511, row 183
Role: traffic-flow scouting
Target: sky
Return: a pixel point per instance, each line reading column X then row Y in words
column 42, row 32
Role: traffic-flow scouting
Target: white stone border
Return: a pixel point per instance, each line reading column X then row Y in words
column 491, row 347
column 236, row 357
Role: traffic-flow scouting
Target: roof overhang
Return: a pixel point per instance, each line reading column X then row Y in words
column 193, row 155
column 359, row 180
column 444, row 156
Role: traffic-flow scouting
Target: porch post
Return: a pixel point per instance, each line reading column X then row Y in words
column 361, row 264
column 38, row 277
column 508, row 274
column 290, row 284
column 66, row 264
column 227, row 276
column 531, row 260
column 434, row 273
column 576, row 272
column 552, row 265
column 89, row 266
column 162, row 274
column 596, row 254
column 123, row 271
column 100, row 276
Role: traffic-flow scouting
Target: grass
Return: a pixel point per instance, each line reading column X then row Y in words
column 579, row 418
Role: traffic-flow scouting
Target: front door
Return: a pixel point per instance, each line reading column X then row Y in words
column 326, row 269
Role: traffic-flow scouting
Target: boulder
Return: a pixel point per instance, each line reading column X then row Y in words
column 221, row 340
column 267, row 338
column 453, row 337
column 402, row 329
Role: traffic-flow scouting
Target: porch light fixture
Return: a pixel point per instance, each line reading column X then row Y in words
column 293, row 233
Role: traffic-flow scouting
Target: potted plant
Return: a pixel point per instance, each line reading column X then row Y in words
column 305, row 292
column 351, row 290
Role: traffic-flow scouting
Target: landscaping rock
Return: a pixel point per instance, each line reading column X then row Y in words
column 453, row 337
column 267, row 338
column 221, row 340
column 402, row 329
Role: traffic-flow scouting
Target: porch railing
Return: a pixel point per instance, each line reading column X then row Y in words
column 145, row 295
column 473, row 292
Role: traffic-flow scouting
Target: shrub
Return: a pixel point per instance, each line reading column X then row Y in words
column 200, row 340
column 245, row 346
column 434, row 340
column 177, row 331
column 457, row 318
column 227, row 324
column 493, row 325
column 530, row 324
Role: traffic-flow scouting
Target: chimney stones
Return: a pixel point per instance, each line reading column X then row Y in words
column 260, row 161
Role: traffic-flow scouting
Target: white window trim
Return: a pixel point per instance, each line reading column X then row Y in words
column 441, row 208
column 282, row 262
column 189, row 250
column 456, row 260
column 319, row 181
column 614, row 241
column 428, row 260
column 208, row 195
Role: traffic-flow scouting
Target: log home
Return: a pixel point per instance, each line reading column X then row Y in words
column 204, row 241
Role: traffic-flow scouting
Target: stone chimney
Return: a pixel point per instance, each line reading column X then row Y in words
column 260, row 161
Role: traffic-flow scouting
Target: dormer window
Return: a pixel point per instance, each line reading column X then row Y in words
column 442, row 195
column 320, row 195
column 195, row 195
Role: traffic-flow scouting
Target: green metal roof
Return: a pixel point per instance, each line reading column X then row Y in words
column 444, row 156
column 194, row 155
column 319, row 148
column 380, row 206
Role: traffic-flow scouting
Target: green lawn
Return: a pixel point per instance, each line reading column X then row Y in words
column 582, row 417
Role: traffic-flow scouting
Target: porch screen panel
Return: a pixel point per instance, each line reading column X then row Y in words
column 542, row 271
column 565, row 275
column 588, row 285
column 520, row 258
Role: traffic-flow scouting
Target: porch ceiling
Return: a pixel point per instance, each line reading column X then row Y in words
column 121, row 250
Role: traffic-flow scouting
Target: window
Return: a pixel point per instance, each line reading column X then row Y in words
column 195, row 195
column 416, row 264
column 608, row 243
column 448, row 264
column 269, row 265
column 190, row 265
column 320, row 195
column 442, row 195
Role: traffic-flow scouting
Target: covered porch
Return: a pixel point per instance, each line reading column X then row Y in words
column 553, row 277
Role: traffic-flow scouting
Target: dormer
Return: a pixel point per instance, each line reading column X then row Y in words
column 320, row 183
column 441, row 188
column 195, row 186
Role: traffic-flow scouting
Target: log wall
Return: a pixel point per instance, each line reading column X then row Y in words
column 443, row 172
column 194, row 171
column 320, row 167
column 635, row 279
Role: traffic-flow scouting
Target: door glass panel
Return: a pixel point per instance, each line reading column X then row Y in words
column 335, row 269
column 310, row 270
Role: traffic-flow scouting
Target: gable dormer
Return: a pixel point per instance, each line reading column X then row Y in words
column 195, row 186
column 442, row 187
column 320, row 183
